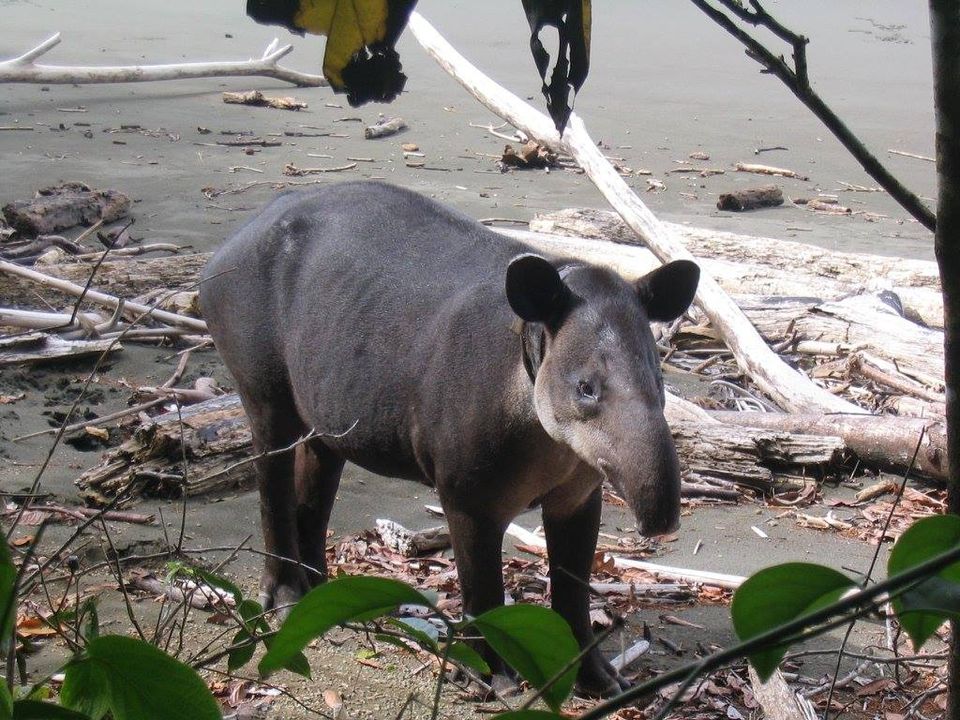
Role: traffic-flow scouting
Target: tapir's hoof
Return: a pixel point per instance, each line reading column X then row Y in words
column 282, row 595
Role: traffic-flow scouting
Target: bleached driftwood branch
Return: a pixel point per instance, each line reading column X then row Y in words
column 99, row 298
column 23, row 69
column 792, row 390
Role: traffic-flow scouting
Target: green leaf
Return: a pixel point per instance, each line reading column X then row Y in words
column 536, row 642
column 36, row 710
column 298, row 664
column 8, row 596
column 240, row 656
column 924, row 608
column 529, row 715
column 141, row 681
column 219, row 582
column 778, row 595
column 91, row 620
column 251, row 612
column 6, row 701
column 331, row 604
column 85, row 688
column 467, row 656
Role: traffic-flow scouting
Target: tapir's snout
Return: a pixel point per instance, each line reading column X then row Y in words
column 645, row 470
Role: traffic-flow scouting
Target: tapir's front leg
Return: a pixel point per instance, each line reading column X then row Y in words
column 477, row 546
column 571, row 544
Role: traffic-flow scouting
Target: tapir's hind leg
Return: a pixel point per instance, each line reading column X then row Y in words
column 317, row 479
column 275, row 425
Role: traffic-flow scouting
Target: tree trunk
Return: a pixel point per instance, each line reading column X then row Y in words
column 945, row 39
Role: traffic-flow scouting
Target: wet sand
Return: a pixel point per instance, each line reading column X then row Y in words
column 664, row 83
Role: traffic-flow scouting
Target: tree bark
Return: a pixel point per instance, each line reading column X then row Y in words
column 945, row 39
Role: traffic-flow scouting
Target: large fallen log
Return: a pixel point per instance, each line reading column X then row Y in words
column 217, row 438
column 787, row 265
column 745, row 456
column 774, row 377
column 100, row 298
column 128, row 277
column 39, row 348
column 886, row 442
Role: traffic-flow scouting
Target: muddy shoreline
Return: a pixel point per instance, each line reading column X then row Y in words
column 672, row 86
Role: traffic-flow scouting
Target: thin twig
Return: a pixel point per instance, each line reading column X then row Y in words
column 123, row 585
column 873, row 564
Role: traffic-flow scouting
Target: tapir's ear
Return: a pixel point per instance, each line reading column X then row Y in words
column 534, row 289
column 668, row 291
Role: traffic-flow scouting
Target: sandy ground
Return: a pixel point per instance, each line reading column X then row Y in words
column 664, row 83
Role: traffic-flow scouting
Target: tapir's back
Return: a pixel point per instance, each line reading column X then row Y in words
column 369, row 241
column 327, row 290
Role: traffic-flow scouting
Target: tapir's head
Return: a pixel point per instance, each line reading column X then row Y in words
column 597, row 383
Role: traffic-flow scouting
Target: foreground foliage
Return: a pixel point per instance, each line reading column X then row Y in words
column 129, row 678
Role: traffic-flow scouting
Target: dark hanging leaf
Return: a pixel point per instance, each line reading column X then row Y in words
column 571, row 18
column 360, row 59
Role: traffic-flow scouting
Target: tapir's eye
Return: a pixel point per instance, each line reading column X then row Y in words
column 585, row 390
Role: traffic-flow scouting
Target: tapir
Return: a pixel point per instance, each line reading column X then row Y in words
column 419, row 344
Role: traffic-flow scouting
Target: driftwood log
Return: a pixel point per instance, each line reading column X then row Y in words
column 129, row 308
column 38, row 347
column 768, row 266
column 886, row 442
column 751, row 198
column 65, row 206
column 24, row 69
column 123, row 278
column 384, row 127
column 856, row 322
column 411, row 543
column 217, row 440
column 256, row 98
column 748, row 456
